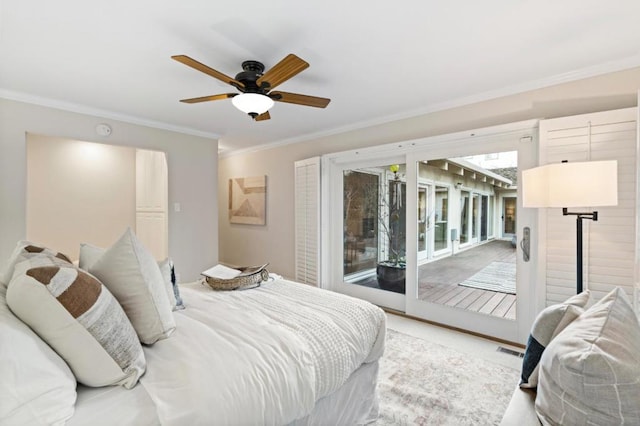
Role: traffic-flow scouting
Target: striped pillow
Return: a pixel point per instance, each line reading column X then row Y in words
column 79, row 318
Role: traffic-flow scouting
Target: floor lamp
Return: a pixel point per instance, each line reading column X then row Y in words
column 569, row 185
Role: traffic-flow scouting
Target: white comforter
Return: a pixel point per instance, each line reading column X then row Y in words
column 261, row 356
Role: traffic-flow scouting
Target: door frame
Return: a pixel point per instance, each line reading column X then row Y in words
column 490, row 139
column 509, row 330
column 424, row 255
column 332, row 246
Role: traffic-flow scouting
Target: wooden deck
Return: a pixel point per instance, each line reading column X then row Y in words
column 438, row 281
column 482, row 301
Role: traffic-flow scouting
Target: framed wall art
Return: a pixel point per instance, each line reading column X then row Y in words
column 248, row 200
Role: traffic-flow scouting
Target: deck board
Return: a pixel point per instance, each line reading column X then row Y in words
column 438, row 281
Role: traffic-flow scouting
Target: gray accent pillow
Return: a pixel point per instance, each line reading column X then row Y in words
column 131, row 273
column 550, row 321
column 590, row 373
column 89, row 254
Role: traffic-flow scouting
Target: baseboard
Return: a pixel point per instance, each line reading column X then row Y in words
column 448, row 327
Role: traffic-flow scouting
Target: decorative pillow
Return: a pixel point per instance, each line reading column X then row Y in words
column 130, row 272
column 550, row 321
column 590, row 373
column 22, row 251
column 173, row 291
column 37, row 386
column 88, row 255
column 78, row 317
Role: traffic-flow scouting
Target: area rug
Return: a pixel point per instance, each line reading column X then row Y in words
column 424, row 383
column 497, row 276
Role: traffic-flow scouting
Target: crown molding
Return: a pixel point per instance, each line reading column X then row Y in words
column 86, row 110
column 593, row 71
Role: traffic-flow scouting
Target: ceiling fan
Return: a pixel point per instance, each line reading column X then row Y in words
column 256, row 86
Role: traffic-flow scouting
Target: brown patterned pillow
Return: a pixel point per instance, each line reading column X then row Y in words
column 79, row 318
column 25, row 250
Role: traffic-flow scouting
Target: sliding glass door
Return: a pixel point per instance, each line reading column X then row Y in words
column 422, row 232
column 374, row 211
column 472, row 279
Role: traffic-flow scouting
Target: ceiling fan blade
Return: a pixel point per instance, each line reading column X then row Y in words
column 283, row 71
column 207, row 70
column 295, row 98
column 263, row 116
column 208, row 98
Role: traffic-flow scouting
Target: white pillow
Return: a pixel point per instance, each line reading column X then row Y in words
column 130, row 272
column 590, row 373
column 88, row 255
column 78, row 317
column 36, row 385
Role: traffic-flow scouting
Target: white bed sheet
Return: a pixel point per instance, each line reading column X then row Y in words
column 114, row 405
column 261, row 358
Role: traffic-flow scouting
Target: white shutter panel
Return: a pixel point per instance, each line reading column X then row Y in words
column 307, row 217
column 610, row 243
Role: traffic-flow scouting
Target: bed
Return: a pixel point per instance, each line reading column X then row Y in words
column 282, row 353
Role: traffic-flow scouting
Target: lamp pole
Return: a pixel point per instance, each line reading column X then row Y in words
column 579, row 217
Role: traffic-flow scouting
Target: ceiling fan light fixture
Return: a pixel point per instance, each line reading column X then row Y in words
column 253, row 104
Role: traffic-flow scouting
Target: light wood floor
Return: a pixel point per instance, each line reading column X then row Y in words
column 438, row 281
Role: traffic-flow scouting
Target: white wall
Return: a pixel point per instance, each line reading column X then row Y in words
column 192, row 164
column 78, row 192
column 274, row 243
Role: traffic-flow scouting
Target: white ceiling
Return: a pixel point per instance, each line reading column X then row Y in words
column 377, row 60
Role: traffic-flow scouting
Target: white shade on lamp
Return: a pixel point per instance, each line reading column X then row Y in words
column 582, row 184
column 252, row 103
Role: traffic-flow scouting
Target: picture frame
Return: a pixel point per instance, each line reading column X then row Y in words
column 248, row 200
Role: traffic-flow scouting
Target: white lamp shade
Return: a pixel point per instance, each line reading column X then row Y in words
column 583, row 184
column 252, row 103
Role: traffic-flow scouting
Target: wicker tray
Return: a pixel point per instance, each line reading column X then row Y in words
column 251, row 276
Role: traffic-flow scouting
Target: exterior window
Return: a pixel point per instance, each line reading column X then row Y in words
column 360, row 200
column 374, row 223
column 509, row 215
column 422, row 219
column 464, row 217
column 441, row 218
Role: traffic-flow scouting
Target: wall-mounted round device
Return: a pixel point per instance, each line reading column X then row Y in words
column 103, row 129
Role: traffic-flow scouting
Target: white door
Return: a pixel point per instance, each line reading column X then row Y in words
column 367, row 218
column 483, row 288
column 151, row 201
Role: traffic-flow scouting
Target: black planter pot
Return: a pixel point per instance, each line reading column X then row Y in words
column 391, row 277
